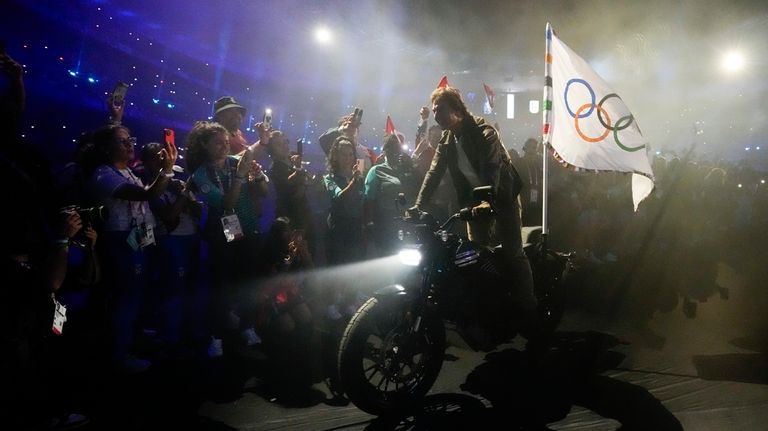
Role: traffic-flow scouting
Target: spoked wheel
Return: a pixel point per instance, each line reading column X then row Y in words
column 383, row 364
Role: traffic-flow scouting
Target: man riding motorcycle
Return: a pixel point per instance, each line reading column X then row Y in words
column 473, row 152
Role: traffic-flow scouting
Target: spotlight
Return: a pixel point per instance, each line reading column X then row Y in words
column 323, row 35
column 732, row 62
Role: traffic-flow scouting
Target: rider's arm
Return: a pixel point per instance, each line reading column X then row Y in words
column 494, row 158
column 434, row 175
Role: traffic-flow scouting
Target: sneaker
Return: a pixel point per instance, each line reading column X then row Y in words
column 69, row 422
column 250, row 337
column 215, row 348
column 134, row 365
column 333, row 312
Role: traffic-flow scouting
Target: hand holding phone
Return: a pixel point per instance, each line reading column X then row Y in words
column 170, row 137
column 118, row 94
column 300, row 147
column 267, row 118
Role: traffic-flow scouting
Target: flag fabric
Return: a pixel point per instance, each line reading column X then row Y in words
column 587, row 124
column 490, row 95
column 389, row 129
column 443, row 82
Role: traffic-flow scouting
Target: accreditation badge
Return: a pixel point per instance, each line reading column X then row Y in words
column 231, row 227
column 59, row 316
column 146, row 235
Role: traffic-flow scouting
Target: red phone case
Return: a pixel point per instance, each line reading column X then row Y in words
column 170, row 137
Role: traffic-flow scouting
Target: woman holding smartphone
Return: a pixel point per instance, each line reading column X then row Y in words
column 232, row 187
column 344, row 184
column 128, row 235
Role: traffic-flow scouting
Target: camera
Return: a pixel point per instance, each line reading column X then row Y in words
column 93, row 215
column 90, row 217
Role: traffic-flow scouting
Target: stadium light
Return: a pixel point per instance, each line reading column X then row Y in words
column 732, row 62
column 323, row 35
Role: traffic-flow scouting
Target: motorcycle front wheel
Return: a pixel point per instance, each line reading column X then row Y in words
column 384, row 365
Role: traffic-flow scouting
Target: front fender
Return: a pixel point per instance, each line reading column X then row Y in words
column 393, row 290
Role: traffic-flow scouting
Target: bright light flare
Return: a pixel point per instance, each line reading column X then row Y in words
column 732, row 62
column 410, row 257
column 323, row 35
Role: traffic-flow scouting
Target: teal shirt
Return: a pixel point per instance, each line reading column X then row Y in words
column 348, row 209
column 211, row 185
column 382, row 186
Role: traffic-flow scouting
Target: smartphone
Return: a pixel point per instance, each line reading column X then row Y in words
column 170, row 137
column 358, row 116
column 300, row 147
column 267, row 118
column 118, row 94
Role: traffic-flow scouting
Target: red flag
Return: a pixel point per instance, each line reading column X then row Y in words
column 489, row 94
column 443, row 82
column 390, row 127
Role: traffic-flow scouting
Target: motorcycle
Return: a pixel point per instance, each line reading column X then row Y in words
column 392, row 349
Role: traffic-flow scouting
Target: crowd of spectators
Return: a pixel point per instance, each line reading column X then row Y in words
column 159, row 259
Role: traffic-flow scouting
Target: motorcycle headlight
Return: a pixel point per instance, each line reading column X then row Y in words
column 410, row 257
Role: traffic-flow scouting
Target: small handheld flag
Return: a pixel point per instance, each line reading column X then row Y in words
column 389, row 129
column 490, row 95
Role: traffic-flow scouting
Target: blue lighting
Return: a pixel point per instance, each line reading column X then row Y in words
column 91, row 80
column 155, row 101
column 71, row 73
column 170, row 105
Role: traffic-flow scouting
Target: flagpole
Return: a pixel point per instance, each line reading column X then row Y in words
column 547, row 121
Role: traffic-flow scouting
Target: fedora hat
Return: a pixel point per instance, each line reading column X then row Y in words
column 227, row 102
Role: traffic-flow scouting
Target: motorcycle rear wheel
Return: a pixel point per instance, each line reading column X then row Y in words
column 384, row 367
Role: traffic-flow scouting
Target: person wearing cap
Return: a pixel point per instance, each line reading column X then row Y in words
column 230, row 114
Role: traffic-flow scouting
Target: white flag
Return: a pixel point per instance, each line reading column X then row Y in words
column 587, row 124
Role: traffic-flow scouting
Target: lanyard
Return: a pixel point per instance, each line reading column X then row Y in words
column 136, row 208
column 227, row 177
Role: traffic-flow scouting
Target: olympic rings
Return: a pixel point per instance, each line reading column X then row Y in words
column 578, row 130
column 591, row 93
column 621, row 124
column 608, row 126
column 616, row 134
